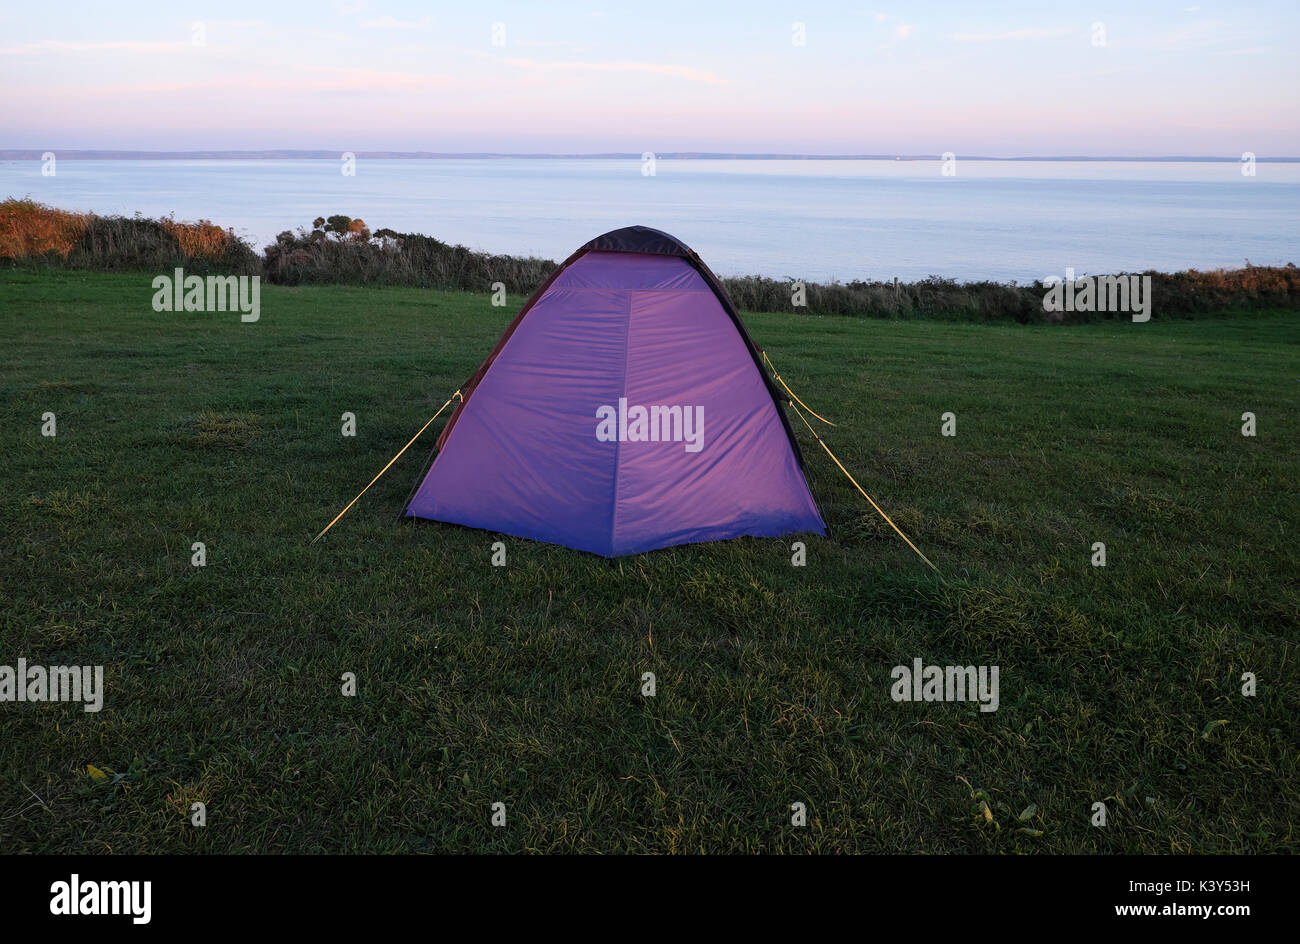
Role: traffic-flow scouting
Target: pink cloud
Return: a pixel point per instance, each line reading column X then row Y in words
column 653, row 68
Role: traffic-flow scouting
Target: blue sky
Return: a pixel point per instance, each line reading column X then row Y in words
column 1002, row 79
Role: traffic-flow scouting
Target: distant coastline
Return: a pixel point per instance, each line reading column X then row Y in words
column 35, row 154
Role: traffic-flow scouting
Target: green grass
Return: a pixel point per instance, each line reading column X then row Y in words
column 522, row 684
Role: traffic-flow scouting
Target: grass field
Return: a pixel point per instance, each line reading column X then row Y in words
column 522, row 684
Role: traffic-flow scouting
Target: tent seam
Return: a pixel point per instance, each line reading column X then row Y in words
column 618, row 442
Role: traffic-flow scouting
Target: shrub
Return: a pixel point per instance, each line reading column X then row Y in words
column 341, row 249
column 32, row 232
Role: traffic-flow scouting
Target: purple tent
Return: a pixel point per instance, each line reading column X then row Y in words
column 623, row 410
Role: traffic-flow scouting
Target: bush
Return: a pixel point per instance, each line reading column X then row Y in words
column 1179, row 294
column 32, row 232
column 340, row 249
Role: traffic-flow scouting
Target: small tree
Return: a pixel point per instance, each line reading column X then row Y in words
column 338, row 225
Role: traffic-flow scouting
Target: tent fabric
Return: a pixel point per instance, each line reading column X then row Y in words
column 549, row 444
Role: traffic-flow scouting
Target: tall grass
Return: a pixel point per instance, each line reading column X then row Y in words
column 1175, row 295
column 343, row 250
column 31, row 232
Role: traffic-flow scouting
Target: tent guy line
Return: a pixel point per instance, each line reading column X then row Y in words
column 795, row 400
column 386, row 468
column 767, row 360
column 862, row 491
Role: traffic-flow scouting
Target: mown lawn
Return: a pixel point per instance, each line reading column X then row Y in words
column 522, row 685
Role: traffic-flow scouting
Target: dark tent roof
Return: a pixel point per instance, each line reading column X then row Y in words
column 641, row 239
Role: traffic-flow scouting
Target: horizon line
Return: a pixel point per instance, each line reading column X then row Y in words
column 12, row 154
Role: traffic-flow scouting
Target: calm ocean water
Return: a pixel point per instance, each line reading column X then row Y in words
column 816, row 220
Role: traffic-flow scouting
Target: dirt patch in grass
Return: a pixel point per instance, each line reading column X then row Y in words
column 224, row 430
column 64, row 503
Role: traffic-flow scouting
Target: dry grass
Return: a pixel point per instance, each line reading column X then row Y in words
column 204, row 239
column 33, row 232
column 29, row 229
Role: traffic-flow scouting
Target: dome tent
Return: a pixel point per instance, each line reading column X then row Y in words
column 624, row 409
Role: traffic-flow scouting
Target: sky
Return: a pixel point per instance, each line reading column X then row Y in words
column 999, row 79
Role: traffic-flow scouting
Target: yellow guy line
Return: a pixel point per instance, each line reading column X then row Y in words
column 390, row 462
column 865, row 495
column 791, row 392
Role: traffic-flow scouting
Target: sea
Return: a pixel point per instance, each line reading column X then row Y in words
column 815, row 220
